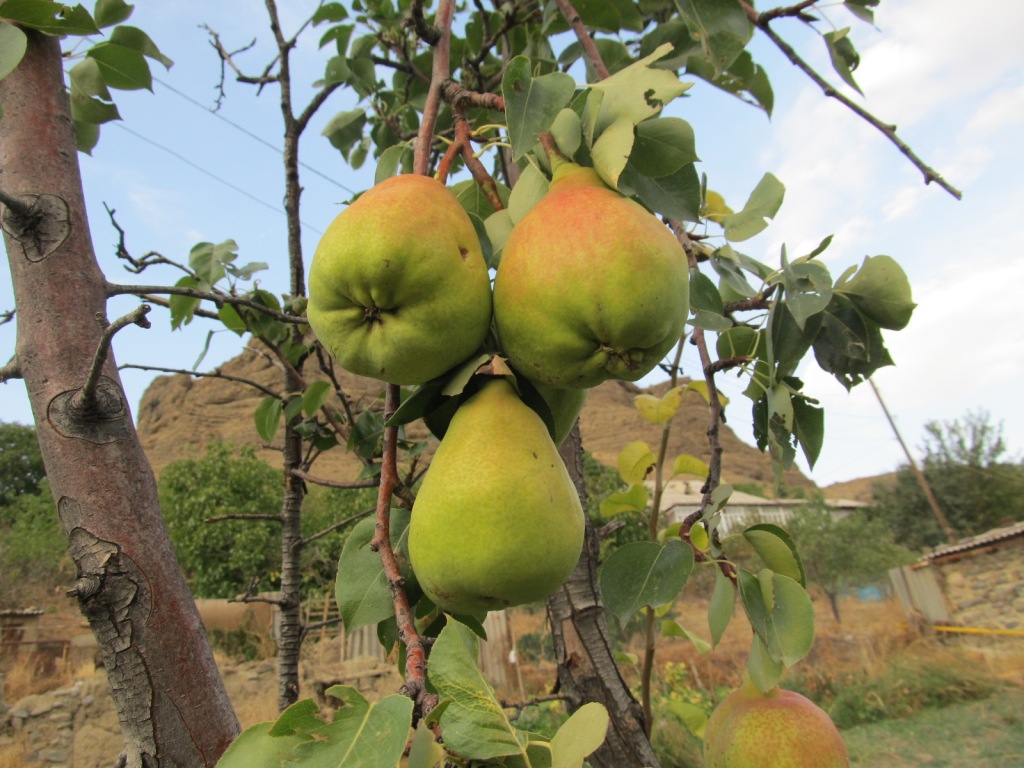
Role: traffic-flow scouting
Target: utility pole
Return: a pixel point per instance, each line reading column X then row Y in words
column 932, row 501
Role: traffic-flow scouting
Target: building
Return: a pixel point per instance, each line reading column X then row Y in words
column 681, row 498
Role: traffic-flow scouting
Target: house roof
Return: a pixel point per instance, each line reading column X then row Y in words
column 977, row 542
column 686, row 493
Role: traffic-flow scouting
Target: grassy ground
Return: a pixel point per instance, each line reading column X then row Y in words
column 979, row 734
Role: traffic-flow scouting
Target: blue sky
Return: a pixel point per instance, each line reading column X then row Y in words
column 953, row 83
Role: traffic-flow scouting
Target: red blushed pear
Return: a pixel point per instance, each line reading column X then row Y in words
column 591, row 286
column 777, row 729
column 399, row 289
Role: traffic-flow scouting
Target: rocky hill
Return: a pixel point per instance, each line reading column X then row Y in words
column 179, row 415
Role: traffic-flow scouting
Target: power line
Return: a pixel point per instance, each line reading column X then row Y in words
column 206, row 172
column 250, row 134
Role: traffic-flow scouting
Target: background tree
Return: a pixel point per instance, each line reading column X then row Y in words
column 844, row 552
column 21, row 464
column 977, row 485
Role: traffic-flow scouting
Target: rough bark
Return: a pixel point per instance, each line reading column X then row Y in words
column 172, row 705
column 289, row 641
column 584, row 650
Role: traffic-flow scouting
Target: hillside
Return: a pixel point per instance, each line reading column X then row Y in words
column 860, row 489
column 179, row 415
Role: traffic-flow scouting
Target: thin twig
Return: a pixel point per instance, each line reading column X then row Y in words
column 351, row 485
column 886, row 129
column 11, row 371
column 590, row 51
column 519, row 706
column 439, row 74
column 85, row 398
column 428, row 34
column 220, row 299
column 340, row 524
column 196, row 374
column 241, row 516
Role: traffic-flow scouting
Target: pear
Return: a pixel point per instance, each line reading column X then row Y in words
column 565, row 405
column 497, row 521
column 778, row 729
column 398, row 288
column 591, row 286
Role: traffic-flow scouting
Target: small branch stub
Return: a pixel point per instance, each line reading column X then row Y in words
column 39, row 223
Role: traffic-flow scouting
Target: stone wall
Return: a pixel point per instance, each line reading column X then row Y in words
column 985, row 588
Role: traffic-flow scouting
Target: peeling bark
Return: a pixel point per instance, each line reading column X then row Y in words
column 173, row 708
column 584, row 649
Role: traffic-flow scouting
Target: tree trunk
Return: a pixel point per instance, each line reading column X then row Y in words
column 289, row 641
column 583, row 646
column 170, row 699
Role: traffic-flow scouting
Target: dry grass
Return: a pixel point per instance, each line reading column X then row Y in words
column 14, row 755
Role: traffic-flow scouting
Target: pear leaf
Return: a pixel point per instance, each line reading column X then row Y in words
column 685, row 464
column 663, row 146
column 644, row 573
column 527, row 192
column 633, row 500
column 637, row 92
column 579, row 736
column 473, row 724
column 567, row 131
column 611, row 151
column 658, row 410
column 721, row 26
column 670, row 628
column 764, row 203
column 777, row 550
column 721, row 607
column 780, row 613
column 694, row 718
column 13, row 43
column 268, row 418
column 881, row 291
column 532, row 103
column 763, row 668
column 635, row 461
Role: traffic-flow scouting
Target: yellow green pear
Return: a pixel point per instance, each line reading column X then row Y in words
column 497, row 521
column 591, row 286
column 565, row 405
column 398, row 288
column 777, row 729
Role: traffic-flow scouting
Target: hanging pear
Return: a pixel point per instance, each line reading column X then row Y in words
column 591, row 286
column 497, row 521
column 399, row 289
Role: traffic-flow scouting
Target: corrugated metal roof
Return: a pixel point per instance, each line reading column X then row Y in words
column 976, row 542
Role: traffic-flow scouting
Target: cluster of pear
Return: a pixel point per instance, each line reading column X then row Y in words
column 590, row 286
column 777, row 729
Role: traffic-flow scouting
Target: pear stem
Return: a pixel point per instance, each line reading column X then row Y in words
column 554, row 154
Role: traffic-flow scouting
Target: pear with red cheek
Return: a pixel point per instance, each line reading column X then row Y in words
column 777, row 729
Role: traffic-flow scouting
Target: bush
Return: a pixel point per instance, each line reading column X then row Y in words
column 33, row 547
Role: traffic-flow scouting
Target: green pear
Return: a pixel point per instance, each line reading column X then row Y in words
column 497, row 521
column 565, row 405
column 398, row 288
column 777, row 729
column 591, row 286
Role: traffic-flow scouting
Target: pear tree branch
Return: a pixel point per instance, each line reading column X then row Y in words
column 85, row 398
column 590, row 51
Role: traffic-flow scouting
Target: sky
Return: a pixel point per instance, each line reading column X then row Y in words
column 952, row 81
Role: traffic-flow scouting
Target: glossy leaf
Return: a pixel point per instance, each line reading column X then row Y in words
column 670, row 628
column 272, row 744
column 50, row 18
column 808, row 289
column 849, row 347
column 231, row 319
column 110, row 12
column 721, row 606
column 637, row 92
column 473, row 724
column 763, row 668
column 183, row 307
column 137, row 40
column 685, row 464
column 612, row 149
column 693, row 717
column 809, row 428
column 86, row 77
column 527, row 192
column 644, row 573
column 676, row 196
column 532, row 103
column 122, row 67
column 268, row 418
column 315, row 396
column 567, row 131
column 361, row 587
column 635, row 461
column 764, row 202
column 843, row 55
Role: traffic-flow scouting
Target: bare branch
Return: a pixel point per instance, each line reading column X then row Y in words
column 85, row 398
column 148, row 259
column 461, row 97
column 351, row 485
column 440, row 72
column 240, row 516
column 220, row 299
column 212, row 375
column 590, row 51
column 340, row 524
column 428, row 34
column 6, row 317
column 10, row 371
column 16, row 205
column 886, row 129
column 519, row 706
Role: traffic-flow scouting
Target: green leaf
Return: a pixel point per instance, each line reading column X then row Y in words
column 87, row 135
column 694, row 718
column 532, row 103
column 473, row 725
column 881, row 291
column 808, row 289
column 849, row 346
column 780, row 613
column 704, row 293
column 721, row 606
column 361, row 587
column 721, row 26
column 611, row 151
column 345, row 130
column 567, row 131
column 332, row 12
column 637, row 92
column 183, row 307
column 361, row 735
column 137, row 40
column 764, row 203
column 777, row 550
column 110, row 12
column 255, row 747
column 50, row 18
column 671, row 628
column 122, row 67
column 87, row 78
column 268, row 418
column 390, row 161
column 663, row 146
column 87, row 109
column 633, row 500
column 685, row 464
column 644, row 573
column 676, row 196
column 744, row 79
column 862, row 9
column 315, row 396
column 579, row 736
column 425, row 752
column 12, row 48
column 739, row 341
column 809, row 428
column 844, row 56
column 763, row 668
column 635, row 461
column 527, row 192
column 231, row 319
